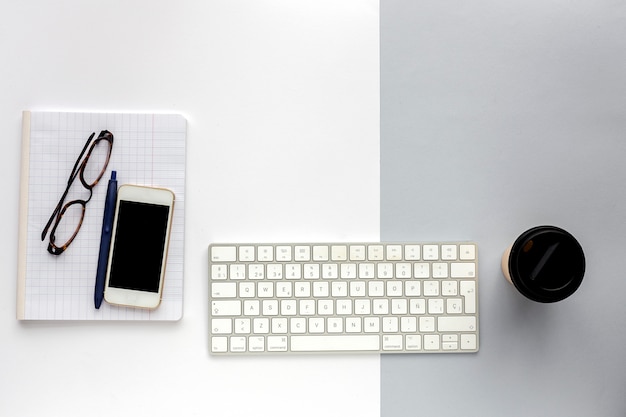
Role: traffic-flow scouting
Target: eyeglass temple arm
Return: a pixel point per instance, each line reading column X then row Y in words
column 56, row 211
column 72, row 177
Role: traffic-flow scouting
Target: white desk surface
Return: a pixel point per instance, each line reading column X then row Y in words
column 282, row 103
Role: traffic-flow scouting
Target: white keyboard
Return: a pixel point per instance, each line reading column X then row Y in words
column 343, row 297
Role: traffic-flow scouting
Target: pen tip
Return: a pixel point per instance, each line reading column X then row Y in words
column 113, row 175
column 98, row 298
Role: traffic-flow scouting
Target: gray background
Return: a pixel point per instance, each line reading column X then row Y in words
column 496, row 118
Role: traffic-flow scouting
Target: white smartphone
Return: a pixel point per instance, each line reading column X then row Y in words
column 139, row 243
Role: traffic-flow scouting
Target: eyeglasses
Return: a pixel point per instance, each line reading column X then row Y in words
column 90, row 170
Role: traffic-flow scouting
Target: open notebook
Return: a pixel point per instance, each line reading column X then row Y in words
column 149, row 149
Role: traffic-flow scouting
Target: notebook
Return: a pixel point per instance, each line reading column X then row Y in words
column 149, row 149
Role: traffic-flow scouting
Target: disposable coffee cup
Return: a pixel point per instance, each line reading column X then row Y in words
column 545, row 264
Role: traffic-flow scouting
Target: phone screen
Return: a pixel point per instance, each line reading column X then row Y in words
column 139, row 244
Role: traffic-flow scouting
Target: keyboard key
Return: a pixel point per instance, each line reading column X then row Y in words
column 276, row 343
column 303, row 253
column 219, row 344
column 357, row 289
column 456, row 324
column 339, row 289
column 412, row 288
column 408, row 325
column 375, row 252
column 335, row 343
column 256, row 344
column 448, row 252
column 393, row 342
column 339, row 253
column 274, row 271
column 366, row 270
column 223, row 289
column 297, row 325
column 371, row 325
column 237, row 271
column 394, row 288
column 467, row 252
column 344, row 307
column 223, row 253
column 357, row 252
column 320, row 253
column 468, row 291
column 413, row 342
column 363, row 306
column 435, row 306
column 390, row 325
column 462, row 270
column 394, row 252
column 417, row 306
column 426, row 324
column 468, row 341
column 226, row 308
column 348, row 271
column 219, row 272
column 430, row 252
column 251, row 307
column 403, row 270
column 440, row 270
column 316, row 325
column 302, row 289
column 246, row 254
column 311, row 271
column 330, row 271
column 222, row 326
column 246, row 289
column 238, row 344
column 265, row 253
column 293, row 271
column 449, row 288
column 256, row 271
column 376, row 289
column 454, row 306
column 320, row 289
column 279, row 325
column 431, row 342
column 412, row 252
column 380, row 306
column 431, row 288
column 283, row 253
column 421, row 270
column 261, row 325
column 385, row 270
column 283, row 289
column 242, row 326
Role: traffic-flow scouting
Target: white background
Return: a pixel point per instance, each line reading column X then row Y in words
column 282, row 103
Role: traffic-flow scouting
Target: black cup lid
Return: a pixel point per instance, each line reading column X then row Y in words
column 546, row 264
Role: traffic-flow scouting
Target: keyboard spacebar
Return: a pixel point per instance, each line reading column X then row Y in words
column 327, row 343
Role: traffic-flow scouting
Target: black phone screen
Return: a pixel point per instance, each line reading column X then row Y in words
column 139, row 244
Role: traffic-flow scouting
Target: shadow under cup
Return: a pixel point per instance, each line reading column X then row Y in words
column 545, row 264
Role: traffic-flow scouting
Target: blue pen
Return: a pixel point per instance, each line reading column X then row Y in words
column 105, row 239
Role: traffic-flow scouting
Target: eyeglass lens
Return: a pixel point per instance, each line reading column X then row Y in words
column 95, row 162
column 68, row 223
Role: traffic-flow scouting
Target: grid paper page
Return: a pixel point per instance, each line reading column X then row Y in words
column 148, row 149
